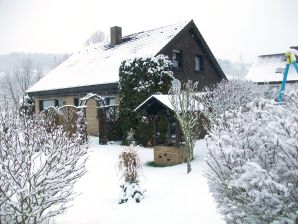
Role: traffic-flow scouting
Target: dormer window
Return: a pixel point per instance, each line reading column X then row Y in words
column 199, row 66
column 177, row 59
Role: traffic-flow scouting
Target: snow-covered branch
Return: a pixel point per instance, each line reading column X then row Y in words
column 39, row 164
column 253, row 163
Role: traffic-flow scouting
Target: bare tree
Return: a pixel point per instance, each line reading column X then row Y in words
column 18, row 81
column 39, row 73
column 186, row 107
column 96, row 37
column 39, row 164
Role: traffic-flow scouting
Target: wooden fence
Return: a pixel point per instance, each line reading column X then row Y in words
column 68, row 118
column 109, row 126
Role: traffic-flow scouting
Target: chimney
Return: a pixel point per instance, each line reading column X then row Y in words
column 116, row 35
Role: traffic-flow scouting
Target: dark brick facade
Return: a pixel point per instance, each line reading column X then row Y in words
column 191, row 44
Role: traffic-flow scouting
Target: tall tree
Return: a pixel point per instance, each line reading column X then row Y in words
column 18, row 81
column 96, row 37
column 139, row 79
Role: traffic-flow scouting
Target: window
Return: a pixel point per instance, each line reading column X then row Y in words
column 44, row 104
column 177, row 59
column 76, row 102
column 48, row 103
column 110, row 100
column 199, row 66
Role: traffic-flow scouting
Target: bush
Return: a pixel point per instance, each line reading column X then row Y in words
column 129, row 165
column 39, row 165
column 227, row 95
column 253, row 163
column 139, row 79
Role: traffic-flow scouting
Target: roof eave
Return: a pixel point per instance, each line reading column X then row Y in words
column 111, row 88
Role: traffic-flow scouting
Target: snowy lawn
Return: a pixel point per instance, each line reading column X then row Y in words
column 171, row 196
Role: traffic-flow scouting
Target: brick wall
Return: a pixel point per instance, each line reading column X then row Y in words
column 91, row 117
column 167, row 155
column 190, row 47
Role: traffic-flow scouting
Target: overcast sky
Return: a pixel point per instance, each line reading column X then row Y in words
column 232, row 28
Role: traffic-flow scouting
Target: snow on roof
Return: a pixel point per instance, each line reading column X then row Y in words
column 164, row 99
column 93, row 96
column 99, row 63
column 269, row 68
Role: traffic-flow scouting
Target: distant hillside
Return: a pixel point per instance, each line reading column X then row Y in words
column 42, row 61
column 234, row 69
column 14, row 70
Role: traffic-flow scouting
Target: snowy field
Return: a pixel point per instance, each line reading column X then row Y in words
column 171, row 196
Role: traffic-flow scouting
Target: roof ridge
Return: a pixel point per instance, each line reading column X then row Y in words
column 144, row 31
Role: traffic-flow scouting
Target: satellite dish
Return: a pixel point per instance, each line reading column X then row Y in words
column 176, row 86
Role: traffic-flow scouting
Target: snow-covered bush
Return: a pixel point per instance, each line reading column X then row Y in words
column 253, row 162
column 227, row 95
column 139, row 78
column 39, row 164
column 129, row 166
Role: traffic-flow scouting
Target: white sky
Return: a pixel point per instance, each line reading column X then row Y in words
column 232, row 28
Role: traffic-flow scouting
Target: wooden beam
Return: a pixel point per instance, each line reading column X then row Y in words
column 155, row 136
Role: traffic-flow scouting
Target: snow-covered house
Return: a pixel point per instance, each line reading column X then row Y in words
column 94, row 69
column 268, row 70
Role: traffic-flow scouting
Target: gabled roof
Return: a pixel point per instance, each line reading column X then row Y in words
column 164, row 100
column 99, row 63
column 269, row 68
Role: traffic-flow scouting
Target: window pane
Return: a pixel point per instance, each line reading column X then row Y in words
column 177, row 59
column 76, row 102
column 198, row 63
column 48, row 103
column 112, row 101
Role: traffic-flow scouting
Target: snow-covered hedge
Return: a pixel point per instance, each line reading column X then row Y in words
column 227, row 95
column 253, row 162
column 139, row 79
column 39, row 164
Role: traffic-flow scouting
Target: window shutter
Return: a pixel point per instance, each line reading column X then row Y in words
column 40, row 105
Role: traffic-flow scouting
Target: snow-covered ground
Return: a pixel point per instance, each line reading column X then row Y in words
column 172, row 196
